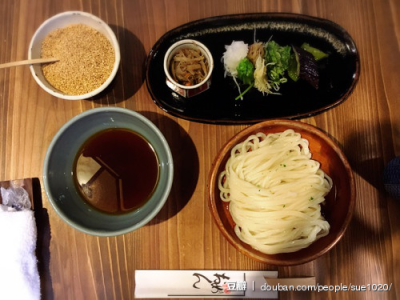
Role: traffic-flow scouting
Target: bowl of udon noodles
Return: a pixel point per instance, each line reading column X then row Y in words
column 282, row 192
column 188, row 66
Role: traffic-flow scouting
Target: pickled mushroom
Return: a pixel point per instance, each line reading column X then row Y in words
column 255, row 50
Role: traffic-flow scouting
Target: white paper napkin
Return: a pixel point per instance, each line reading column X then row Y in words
column 203, row 284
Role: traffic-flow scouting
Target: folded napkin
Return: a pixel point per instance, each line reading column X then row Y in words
column 19, row 276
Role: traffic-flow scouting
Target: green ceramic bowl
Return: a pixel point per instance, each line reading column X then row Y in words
column 58, row 172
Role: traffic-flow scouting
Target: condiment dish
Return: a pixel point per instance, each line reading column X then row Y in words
column 60, row 21
column 191, row 90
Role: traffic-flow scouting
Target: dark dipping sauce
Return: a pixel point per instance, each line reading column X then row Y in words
column 116, row 171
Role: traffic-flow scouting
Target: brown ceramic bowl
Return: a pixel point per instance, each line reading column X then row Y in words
column 337, row 210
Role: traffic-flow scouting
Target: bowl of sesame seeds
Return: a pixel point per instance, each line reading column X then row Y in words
column 87, row 51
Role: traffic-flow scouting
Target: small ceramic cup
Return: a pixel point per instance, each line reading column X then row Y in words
column 183, row 90
column 60, row 21
column 58, row 172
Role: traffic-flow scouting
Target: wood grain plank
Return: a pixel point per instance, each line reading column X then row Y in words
column 183, row 235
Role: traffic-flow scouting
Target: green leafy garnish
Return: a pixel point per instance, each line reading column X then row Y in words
column 318, row 54
column 269, row 64
column 245, row 91
column 294, row 66
column 277, row 59
column 245, row 71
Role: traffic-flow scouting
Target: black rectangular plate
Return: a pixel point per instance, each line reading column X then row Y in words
column 338, row 73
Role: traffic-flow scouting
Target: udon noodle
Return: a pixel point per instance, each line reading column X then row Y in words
column 189, row 66
column 275, row 191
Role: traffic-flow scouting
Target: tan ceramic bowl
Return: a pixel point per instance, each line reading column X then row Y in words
column 339, row 205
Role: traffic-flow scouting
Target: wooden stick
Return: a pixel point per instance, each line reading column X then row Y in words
column 28, row 62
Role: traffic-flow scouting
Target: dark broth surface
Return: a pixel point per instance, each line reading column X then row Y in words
column 116, row 170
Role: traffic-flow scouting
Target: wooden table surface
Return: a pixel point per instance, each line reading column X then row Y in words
column 183, row 236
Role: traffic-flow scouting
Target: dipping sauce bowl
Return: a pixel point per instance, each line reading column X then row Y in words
column 59, row 177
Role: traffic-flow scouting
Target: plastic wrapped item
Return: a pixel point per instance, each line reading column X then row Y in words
column 392, row 178
column 15, row 197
